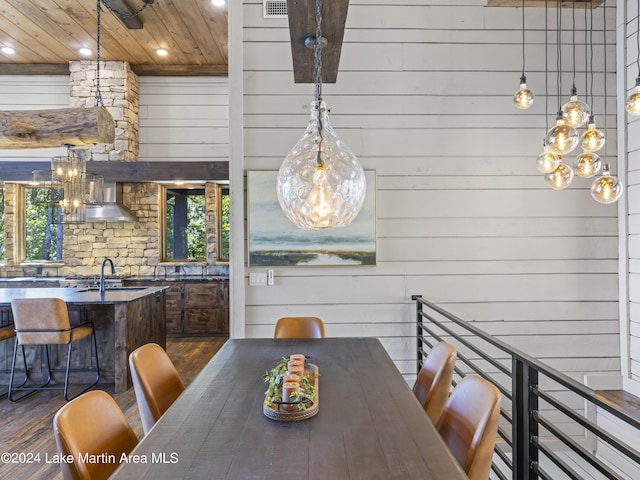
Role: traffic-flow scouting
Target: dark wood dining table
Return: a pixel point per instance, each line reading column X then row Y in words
column 368, row 426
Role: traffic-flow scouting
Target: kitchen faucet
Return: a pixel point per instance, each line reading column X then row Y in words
column 113, row 271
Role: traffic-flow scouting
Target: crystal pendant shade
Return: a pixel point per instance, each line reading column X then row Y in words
column 560, row 178
column 607, row 188
column 592, row 139
column 562, row 138
column 547, row 161
column 632, row 104
column 524, row 97
column 587, row 164
column 575, row 112
column 321, row 183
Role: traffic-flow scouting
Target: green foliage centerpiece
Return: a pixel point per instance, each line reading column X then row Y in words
column 303, row 400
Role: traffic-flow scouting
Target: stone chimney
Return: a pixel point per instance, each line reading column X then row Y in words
column 119, row 89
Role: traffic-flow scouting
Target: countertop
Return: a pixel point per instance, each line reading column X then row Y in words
column 177, row 278
column 75, row 296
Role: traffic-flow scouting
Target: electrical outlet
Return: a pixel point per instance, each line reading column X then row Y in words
column 270, row 277
column 258, row 279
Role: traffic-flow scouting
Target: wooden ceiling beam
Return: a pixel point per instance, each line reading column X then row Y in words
column 132, row 23
column 12, row 171
column 302, row 24
column 142, row 70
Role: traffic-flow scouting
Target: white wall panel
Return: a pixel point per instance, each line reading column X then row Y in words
column 423, row 96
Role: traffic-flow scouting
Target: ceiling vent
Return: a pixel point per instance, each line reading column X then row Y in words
column 274, row 8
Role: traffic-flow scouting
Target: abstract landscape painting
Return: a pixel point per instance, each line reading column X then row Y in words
column 275, row 241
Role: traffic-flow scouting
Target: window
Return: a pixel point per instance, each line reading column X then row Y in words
column 2, row 237
column 185, row 232
column 224, row 203
column 43, row 236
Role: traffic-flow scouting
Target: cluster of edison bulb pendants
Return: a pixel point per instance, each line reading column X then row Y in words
column 563, row 138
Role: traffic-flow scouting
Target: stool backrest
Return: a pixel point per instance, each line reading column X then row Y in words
column 42, row 316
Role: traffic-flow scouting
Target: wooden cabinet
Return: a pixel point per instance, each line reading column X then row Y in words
column 194, row 307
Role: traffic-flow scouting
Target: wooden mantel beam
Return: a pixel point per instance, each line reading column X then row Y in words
column 20, row 129
column 302, row 24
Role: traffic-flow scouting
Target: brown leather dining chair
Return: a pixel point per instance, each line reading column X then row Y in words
column 469, row 424
column 433, row 384
column 92, row 426
column 8, row 333
column 45, row 322
column 156, row 382
column 299, row 327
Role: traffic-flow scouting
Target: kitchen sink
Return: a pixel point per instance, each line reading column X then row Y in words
column 111, row 289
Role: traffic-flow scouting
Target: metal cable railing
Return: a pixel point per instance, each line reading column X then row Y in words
column 534, row 434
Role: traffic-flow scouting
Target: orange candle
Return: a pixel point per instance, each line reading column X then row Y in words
column 289, row 388
column 291, row 378
column 296, row 368
column 297, row 357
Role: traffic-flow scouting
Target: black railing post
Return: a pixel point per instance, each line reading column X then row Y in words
column 525, row 454
column 419, row 330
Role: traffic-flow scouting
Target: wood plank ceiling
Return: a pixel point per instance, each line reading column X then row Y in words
column 47, row 34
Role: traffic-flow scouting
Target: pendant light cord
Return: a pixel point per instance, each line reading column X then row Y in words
column 523, row 56
column 317, row 53
column 546, row 67
column 591, row 50
column 573, row 32
column 317, row 77
column 605, row 162
column 559, row 51
column 638, row 40
column 99, row 102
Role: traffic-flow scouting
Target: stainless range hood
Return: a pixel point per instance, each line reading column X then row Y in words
column 112, row 209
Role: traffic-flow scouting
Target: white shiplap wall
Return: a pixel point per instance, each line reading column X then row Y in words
column 630, row 212
column 184, row 118
column 180, row 118
column 424, row 97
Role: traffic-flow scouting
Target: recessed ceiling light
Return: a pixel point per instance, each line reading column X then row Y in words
column 8, row 50
column 218, row 3
column 85, row 52
column 162, row 52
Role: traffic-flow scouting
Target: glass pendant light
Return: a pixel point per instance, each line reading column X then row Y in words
column 607, row 188
column 592, row 139
column 562, row 139
column 587, row 164
column 524, row 97
column 575, row 111
column 632, row 104
column 69, row 173
column 321, row 183
column 547, row 161
column 560, row 178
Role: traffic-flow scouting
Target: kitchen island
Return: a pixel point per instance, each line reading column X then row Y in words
column 124, row 318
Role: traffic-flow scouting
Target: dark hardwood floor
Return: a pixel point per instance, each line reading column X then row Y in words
column 26, row 426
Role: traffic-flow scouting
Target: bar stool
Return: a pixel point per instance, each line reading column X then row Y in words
column 299, row 327
column 7, row 333
column 45, row 322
